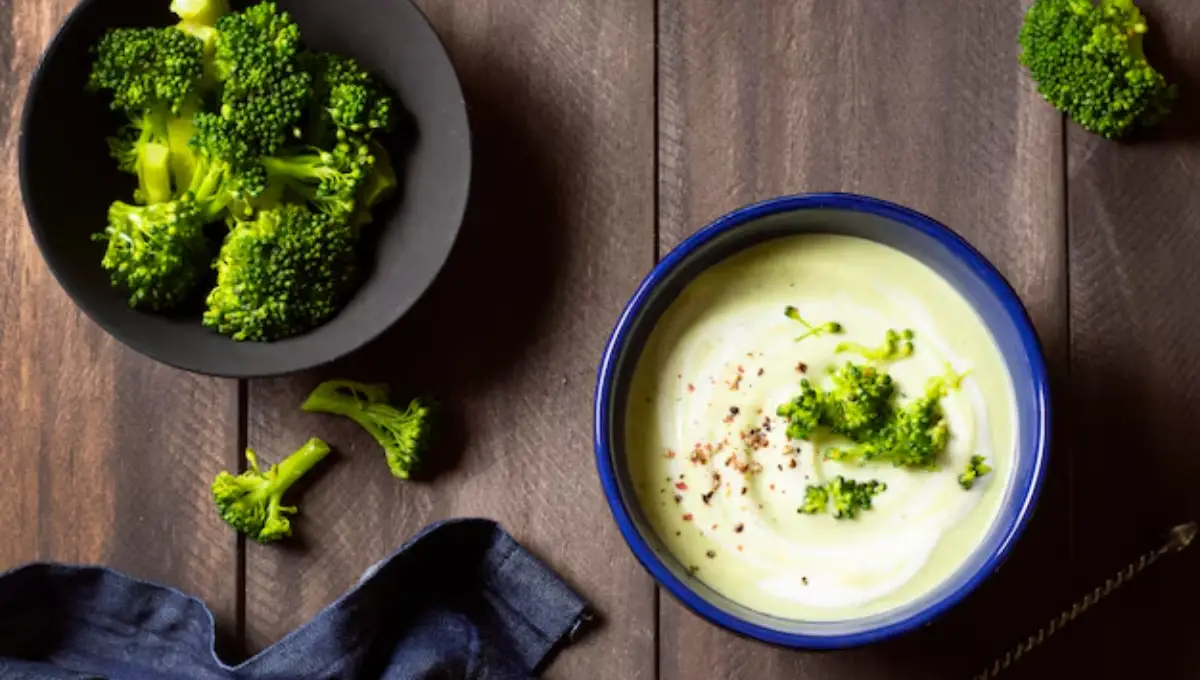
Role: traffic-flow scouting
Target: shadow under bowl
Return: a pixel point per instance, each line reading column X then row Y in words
column 68, row 181
column 914, row 234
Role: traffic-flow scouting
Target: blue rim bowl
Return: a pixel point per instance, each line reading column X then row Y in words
column 912, row 233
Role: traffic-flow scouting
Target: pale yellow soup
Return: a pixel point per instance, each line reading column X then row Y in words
column 728, row 512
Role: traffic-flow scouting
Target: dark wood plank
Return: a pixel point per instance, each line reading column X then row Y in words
column 559, row 231
column 109, row 455
column 922, row 103
column 1133, row 211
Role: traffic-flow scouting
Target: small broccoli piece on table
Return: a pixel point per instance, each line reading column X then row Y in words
column 252, row 502
column 816, row 500
column 1087, row 60
column 155, row 253
column 279, row 274
column 404, row 435
column 976, row 467
column 895, row 346
column 812, row 331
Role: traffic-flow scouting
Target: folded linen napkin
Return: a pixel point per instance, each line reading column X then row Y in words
column 461, row 600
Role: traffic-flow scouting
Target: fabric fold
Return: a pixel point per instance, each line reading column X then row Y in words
column 460, row 600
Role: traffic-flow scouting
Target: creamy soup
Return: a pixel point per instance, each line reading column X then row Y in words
column 723, row 358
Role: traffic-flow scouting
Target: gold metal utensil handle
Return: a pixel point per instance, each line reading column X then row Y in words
column 1180, row 537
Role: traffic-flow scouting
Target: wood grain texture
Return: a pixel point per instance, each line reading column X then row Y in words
column 922, row 103
column 558, row 233
column 1135, row 363
column 108, row 455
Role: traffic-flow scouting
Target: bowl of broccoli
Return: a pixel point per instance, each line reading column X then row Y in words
column 250, row 190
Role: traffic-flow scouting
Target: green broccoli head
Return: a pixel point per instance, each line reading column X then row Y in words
column 280, row 273
column 155, row 253
column 329, row 180
column 381, row 182
column 976, row 467
column 252, row 502
column 148, row 69
column 804, row 412
column 913, row 437
column 404, row 435
column 346, row 99
column 850, row 497
column 859, row 401
column 1087, row 60
column 264, row 91
column 816, row 500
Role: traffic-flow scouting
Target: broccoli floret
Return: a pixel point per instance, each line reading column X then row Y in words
column 812, row 331
column 329, row 180
column 252, row 502
column 346, row 99
column 1087, row 60
column 816, row 500
column 859, row 401
column 155, row 252
column 895, row 346
column 380, row 184
column 913, row 437
column 263, row 91
column 804, row 412
column 976, row 467
column 404, row 435
column 148, row 68
column 154, row 76
column 848, row 497
column 857, row 404
column 279, row 274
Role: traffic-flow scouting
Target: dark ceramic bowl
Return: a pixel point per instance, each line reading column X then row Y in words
column 909, row 232
column 68, row 181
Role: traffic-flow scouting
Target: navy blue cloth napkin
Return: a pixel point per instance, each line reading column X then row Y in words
column 460, row 600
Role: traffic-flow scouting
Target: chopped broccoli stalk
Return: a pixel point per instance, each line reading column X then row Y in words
column 976, row 467
column 895, row 346
column 200, row 12
column 812, row 331
column 404, row 435
column 816, row 500
column 1087, row 60
column 847, row 497
column 252, row 502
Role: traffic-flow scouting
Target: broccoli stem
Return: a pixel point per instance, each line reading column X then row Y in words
column 296, row 465
column 154, row 173
column 200, row 12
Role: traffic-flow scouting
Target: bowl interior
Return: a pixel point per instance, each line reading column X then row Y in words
column 68, row 181
column 884, row 223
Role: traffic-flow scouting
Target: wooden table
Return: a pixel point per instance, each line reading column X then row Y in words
column 607, row 130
